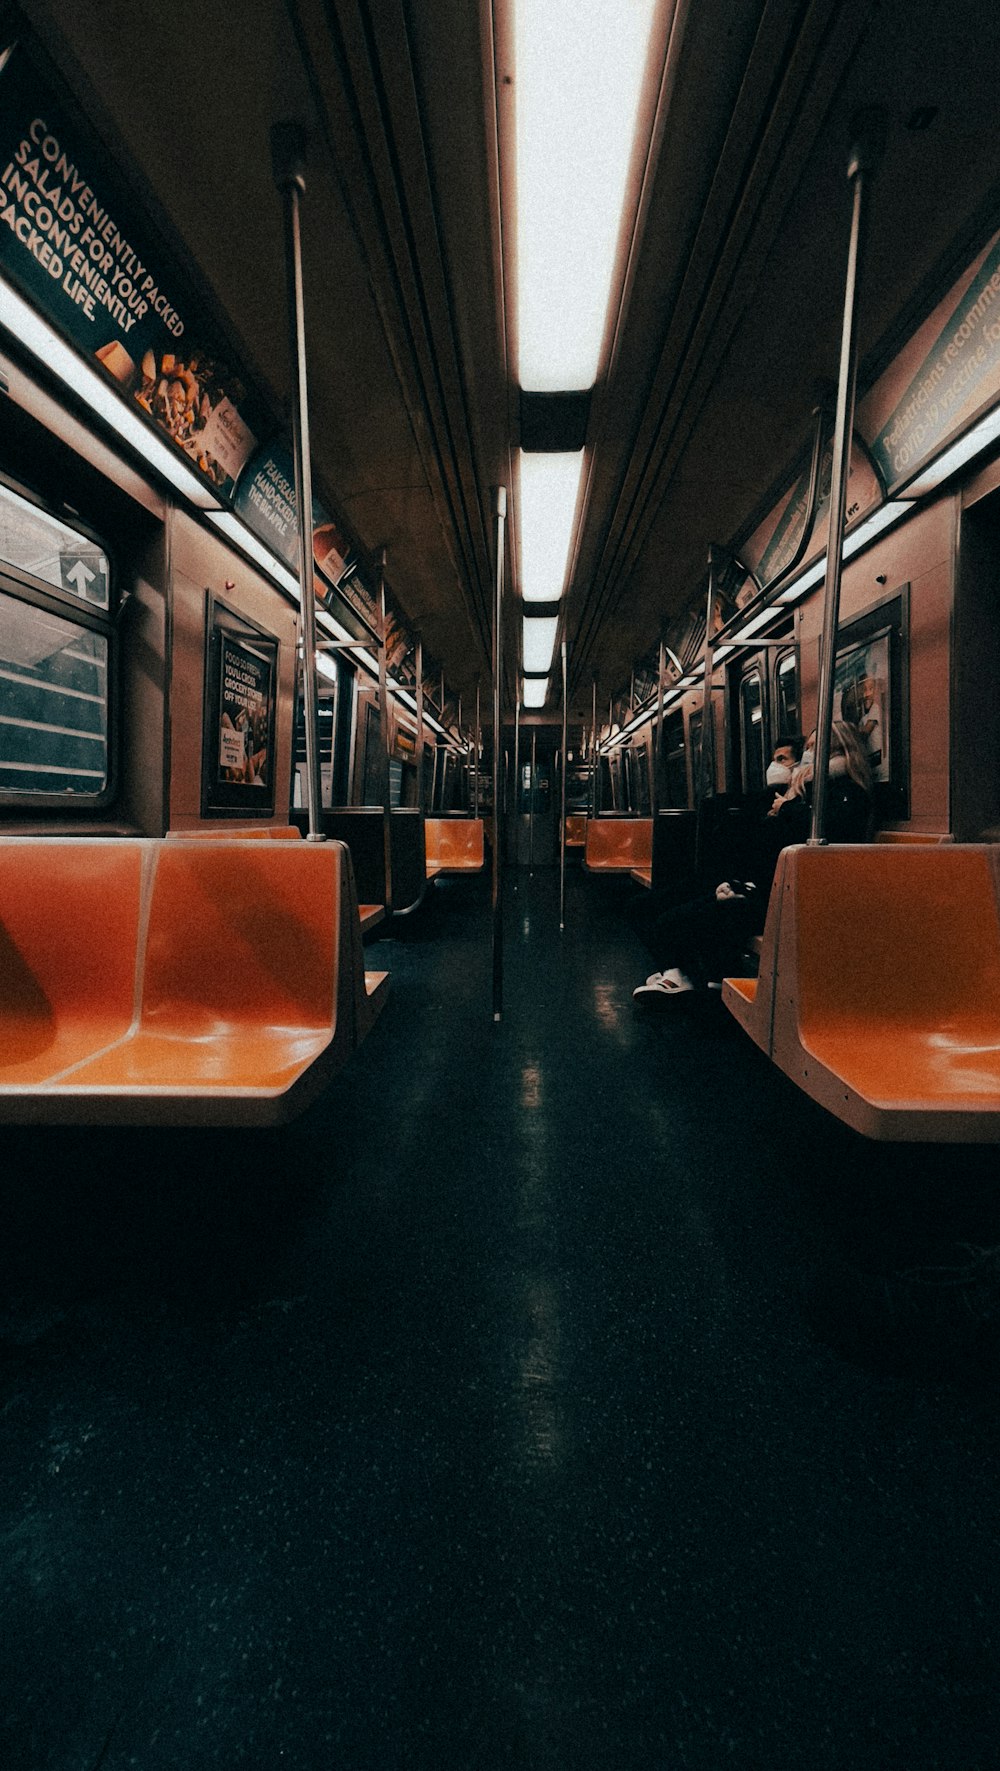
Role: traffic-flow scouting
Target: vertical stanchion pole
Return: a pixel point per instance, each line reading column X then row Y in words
column 656, row 791
column 562, row 797
column 531, row 805
column 864, row 156
column 420, row 727
column 501, row 516
column 475, row 783
column 593, row 752
column 288, row 163
column 517, row 786
column 383, row 697
column 703, row 782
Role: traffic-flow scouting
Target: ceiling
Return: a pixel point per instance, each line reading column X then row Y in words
column 731, row 282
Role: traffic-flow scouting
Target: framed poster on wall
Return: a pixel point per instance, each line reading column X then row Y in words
column 871, row 691
column 241, row 693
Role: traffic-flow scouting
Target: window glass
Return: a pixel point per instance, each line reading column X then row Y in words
column 787, row 678
column 640, row 782
column 36, row 542
column 752, row 732
column 676, row 783
column 53, row 703
column 700, row 786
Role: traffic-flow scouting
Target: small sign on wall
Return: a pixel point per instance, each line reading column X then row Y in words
column 241, row 678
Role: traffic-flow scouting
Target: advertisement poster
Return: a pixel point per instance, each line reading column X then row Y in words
column 861, row 696
column 959, row 371
column 265, row 500
column 73, row 238
column 240, row 706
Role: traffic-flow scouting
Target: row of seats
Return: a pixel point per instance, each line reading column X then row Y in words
column 176, row 981
column 879, row 987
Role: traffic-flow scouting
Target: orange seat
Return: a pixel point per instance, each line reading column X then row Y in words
column 69, row 923
column 239, row 992
column 454, row 845
column 912, row 836
column 617, row 845
column 576, row 830
column 246, row 832
column 879, row 990
column 371, row 915
column 228, row 994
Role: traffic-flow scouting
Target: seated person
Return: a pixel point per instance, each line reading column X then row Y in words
column 704, row 940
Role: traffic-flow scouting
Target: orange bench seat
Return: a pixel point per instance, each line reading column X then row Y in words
column 454, row 845
column 618, row 845
column 227, row 990
column 879, row 987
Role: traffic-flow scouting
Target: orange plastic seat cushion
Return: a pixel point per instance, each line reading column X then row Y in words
column 454, row 845
column 69, row 920
column 240, row 970
column 617, row 845
column 898, row 960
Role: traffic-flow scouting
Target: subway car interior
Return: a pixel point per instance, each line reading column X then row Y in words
column 499, row 885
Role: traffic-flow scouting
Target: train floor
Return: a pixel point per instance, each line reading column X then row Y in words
column 568, row 1395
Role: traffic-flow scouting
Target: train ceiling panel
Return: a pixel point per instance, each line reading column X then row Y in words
column 733, row 279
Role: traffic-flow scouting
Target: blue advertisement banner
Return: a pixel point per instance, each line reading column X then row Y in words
column 265, row 500
column 71, row 239
column 960, row 371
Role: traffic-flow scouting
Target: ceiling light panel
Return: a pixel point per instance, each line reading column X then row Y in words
column 550, row 486
column 538, row 642
column 579, row 68
column 534, row 691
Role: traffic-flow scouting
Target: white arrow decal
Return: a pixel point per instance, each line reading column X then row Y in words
column 81, row 576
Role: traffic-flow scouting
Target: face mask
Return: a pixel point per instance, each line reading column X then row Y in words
column 838, row 765
column 807, row 758
column 778, row 774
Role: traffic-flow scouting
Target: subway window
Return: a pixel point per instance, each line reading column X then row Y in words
column 56, row 657
column 752, row 732
column 676, row 782
column 786, row 678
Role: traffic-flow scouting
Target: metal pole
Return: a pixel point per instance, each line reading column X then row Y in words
column 420, row 727
column 288, row 161
column 501, row 516
column 383, row 699
column 531, row 806
column 517, row 787
column 479, row 739
column 701, row 786
column 593, row 752
column 562, row 797
column 864, row 156
column 655, row 792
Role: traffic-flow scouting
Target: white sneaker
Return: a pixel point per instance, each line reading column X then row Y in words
column 671, row 983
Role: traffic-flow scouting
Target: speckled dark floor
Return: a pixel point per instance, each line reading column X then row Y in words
column 571, row 1395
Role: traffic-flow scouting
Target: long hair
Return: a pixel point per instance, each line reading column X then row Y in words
column 847, row 739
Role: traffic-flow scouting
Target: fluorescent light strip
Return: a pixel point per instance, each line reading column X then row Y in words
column 534, row 691
column 247, row 541
column 978, row 438
column 579, row 68
column 538, row 638
column 45, row 344
column 550, row 487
